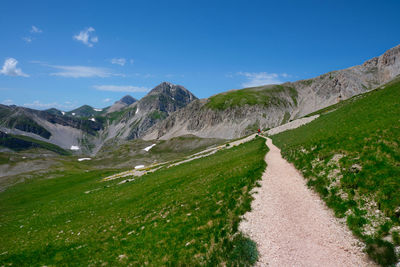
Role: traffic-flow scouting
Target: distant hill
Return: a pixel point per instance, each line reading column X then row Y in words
column 85, row 111
column 122, row 103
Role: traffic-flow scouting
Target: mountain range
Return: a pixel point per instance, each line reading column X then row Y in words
column 171, row 110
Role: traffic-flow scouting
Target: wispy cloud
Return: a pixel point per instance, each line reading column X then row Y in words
column 106, row 100
column 35, row 29
column 82, row 72
column 27, row 39
column 39, row 105
column 10, row 68
column 261, row 78
column 141, row 75
column 121, row 88
column 119, row 61
column 87, row 37
column 7, row 102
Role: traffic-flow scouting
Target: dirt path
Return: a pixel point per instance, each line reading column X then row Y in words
column 292, row 226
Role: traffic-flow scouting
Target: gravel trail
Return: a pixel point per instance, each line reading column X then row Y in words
column 292, row 226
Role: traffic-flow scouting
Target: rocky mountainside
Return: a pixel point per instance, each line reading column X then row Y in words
column 171, row 110
column 86, row 129
column 62, row 130
column 238, row 112
column 134, row 121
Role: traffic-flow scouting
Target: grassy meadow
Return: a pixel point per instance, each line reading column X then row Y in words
column 351, row 156
column 183, row 215
column 263, row 96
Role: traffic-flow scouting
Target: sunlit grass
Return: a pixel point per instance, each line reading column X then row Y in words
column 351, row 157
column 188, row 214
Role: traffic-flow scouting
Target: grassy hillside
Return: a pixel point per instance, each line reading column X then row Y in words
column 264, row 96
column 20, row 142
column 127, row 154
column 9, row 119
column 84, row 111
column 350, row 156
column 187, row 214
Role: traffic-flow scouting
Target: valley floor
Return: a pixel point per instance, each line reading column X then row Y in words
column 292, row 226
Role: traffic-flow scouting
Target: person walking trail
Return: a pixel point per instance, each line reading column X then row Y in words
column 292, row 226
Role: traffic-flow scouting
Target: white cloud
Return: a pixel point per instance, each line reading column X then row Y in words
column 87, row 37
column 7, row 102
column 119, row 61
column 10, row 68
column 82, row 72
column 121, row 88
column 261, row 78
column 35, row 29
column 27, row 39
column 106, row 100
column 39, row 105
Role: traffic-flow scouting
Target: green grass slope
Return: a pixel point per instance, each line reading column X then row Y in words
column 20, row 142
column 184, row 215
column 84, row 111
column 263, row 96
column 351, row 157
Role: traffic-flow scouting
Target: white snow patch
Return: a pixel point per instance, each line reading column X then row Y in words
column 62, row 112
column 73, row 113
column 97, row 109
column 82, row 159
column 137, row 110
column 149, row 147
column 74, row 148
column 139, row 167
column 126, row 181
column 92, row 119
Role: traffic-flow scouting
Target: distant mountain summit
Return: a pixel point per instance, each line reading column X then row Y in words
column 157, row 105
column 167, row 97
column 122, row 103
column 177, row 92
column 127, row 100
column 85, row 111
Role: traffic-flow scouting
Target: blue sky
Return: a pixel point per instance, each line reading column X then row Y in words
column 65, row 54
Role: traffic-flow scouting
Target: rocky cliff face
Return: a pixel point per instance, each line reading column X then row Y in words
column 236, row 118
column 329, row 88
column 138, row 117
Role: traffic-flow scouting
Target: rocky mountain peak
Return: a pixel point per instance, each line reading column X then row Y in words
column 128, row 100
column 174, row 91
column 122, row 103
